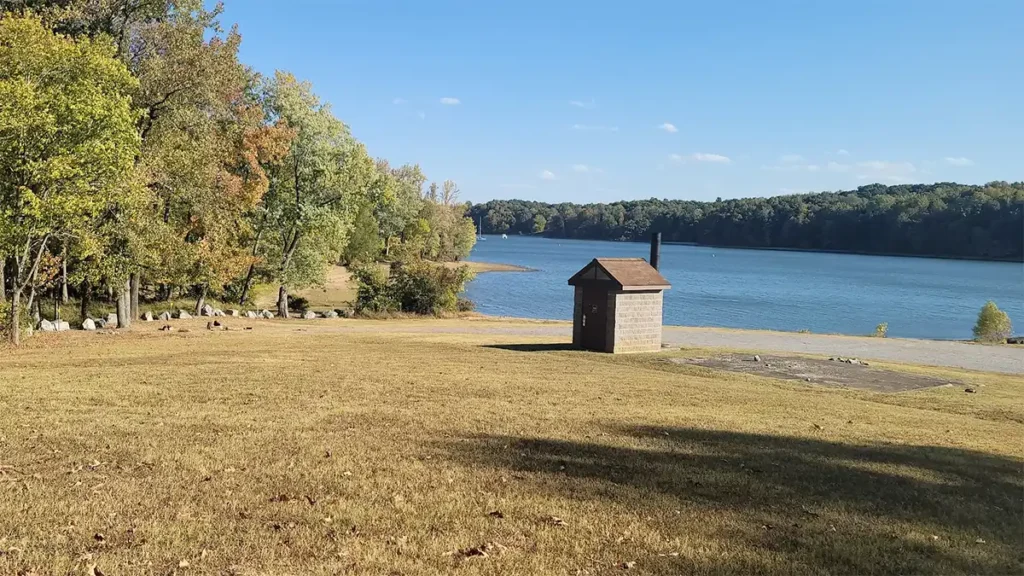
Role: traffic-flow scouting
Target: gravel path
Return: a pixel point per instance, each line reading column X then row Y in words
column 1004, row 359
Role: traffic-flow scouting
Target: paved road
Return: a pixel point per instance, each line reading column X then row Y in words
column 1004, row 359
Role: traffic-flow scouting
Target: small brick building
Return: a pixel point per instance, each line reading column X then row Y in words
column 618, row 306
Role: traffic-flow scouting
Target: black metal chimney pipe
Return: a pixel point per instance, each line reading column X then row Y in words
column 655, row 260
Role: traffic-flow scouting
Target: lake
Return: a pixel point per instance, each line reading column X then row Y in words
column 762, row 289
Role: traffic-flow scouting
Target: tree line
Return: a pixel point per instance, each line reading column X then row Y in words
column 139, row 156
column 946, row 220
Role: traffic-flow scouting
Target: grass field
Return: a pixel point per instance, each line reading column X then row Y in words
column 299, row 448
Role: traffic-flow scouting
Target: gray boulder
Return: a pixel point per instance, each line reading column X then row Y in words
column 184, row 315
column 111, row 321
column 89, row 325
column 219, row 313
column 232, row 312
column 165, row 316
column 251, row 314
column 147, row 316
column 330, row 314
column 206, row 310
column 47, row 326
column 309, row 315
column 62, row 326
column 267, row 314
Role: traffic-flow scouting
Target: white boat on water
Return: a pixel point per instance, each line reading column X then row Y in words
column 504, row 236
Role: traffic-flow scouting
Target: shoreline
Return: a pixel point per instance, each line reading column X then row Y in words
column 808, row 250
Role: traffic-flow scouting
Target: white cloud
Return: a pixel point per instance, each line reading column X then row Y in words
column 837, row 167
column 705, row 157
column 959, row 161
column 398, row 101
column 675, row 157
column 580, row 168
column 449, row 101
column 670, row 128
column 547, row 175
column 585, row 105
column 793, row 167
column 586, row 127
column 843, row 152
column 886, row 171
column 791, row 158
column 422, row 115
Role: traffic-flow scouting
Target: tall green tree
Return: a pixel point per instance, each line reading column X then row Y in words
column 314, row 191
column 67, row 143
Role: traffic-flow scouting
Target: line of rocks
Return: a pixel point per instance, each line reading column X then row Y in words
column 110, row 320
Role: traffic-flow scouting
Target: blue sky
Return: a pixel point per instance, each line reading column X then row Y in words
column 601, row 101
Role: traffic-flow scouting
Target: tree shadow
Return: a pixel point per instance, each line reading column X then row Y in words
column 546, row 347
column 820, row 506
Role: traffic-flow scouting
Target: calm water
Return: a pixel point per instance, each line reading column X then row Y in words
column 830, row 293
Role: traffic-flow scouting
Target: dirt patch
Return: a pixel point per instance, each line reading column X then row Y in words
column 840, row 374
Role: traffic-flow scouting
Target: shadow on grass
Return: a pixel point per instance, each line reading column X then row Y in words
column 533, row 347
column 791, row 505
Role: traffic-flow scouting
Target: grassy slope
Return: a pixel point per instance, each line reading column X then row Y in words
column 297, row 448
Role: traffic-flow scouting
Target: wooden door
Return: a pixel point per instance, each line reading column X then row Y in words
column 595, row 318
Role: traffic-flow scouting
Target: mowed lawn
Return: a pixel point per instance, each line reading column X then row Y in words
column 299, row 448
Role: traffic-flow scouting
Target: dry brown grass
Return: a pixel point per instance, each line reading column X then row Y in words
column 300, row 448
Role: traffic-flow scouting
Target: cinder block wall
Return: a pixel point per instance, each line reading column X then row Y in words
column 637, row 326
column 577, row 317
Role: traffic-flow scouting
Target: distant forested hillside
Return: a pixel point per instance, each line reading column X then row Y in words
column 949, row 220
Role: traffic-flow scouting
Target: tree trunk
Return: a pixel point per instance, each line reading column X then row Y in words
column 15, row 325
column 134, row 295
column 201, row 301
column 64, row 281
column 282, row 302
column 86, row 298
column 3, row 280
column 124, row 305
column 31, row 306
column 245, row 285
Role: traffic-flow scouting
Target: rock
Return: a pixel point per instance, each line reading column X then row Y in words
column 147, row 316
column 217, row 312
column 184, row 315
column 209, row 325
column 62, row 326
column 101, row 323
column 165, row 316
column 251, row 314
column 46, row 326
column 206, row 310
column 111, row 321
column 89, row 325
column 330, row 314
column 757, row 358
column 309, row 315
column 233, row 313
column 166, row 328
column 267, row 314
column 968, row 390
column 343, row 313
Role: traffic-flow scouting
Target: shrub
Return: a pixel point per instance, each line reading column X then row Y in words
column 425, row 288
column 298, row 304
column 993, row 324
column 374, row 293
column 465, row 305
column 417, row 288
column 882, row 330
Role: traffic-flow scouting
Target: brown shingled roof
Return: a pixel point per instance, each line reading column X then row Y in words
column 627, row 273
